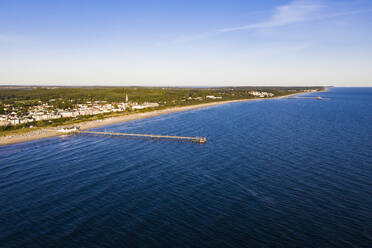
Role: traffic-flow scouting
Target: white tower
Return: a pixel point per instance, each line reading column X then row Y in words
column 126, row 97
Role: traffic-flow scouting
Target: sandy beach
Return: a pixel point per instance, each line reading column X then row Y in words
column 52, row 131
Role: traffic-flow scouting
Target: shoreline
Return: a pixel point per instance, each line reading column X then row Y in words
column 52, row 132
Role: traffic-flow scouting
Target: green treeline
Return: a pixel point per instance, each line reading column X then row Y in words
column 67, row 97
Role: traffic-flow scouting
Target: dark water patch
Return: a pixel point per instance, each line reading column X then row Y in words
column 274, row 173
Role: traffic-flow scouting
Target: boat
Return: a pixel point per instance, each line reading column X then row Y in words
column 319, row 98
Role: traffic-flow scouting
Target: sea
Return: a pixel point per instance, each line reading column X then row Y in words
column 274, row 173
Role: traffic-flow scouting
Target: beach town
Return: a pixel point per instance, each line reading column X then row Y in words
column 12, row 115
column 45, row 111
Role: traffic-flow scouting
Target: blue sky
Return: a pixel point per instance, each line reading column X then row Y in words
column 186, row 43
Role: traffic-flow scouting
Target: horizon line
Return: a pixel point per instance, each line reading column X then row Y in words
column 173, row 86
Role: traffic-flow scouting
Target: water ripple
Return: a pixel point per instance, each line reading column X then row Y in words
column 274, row 173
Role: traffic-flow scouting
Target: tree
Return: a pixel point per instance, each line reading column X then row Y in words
column 2, row 110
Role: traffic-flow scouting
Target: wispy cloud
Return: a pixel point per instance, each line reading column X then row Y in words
column 296, row 11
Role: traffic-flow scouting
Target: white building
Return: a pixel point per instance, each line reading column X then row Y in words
column 145, row 105
column 66, row 114
column 213, row 97
column 4, row 120
column 261, row 94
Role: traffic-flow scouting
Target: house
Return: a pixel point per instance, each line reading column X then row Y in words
column 4, row 120
column 213, row 97
column 66, row 114
column 145, row 105
column 261, row 94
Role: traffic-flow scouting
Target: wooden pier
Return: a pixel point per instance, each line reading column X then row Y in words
column 150, row 136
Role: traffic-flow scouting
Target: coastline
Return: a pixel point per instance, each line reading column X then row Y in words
column 52, row 132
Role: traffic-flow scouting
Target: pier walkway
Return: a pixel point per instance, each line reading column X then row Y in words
column 151, row 136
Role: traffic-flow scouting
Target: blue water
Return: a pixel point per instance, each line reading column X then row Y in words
column 275, row 173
